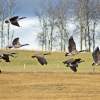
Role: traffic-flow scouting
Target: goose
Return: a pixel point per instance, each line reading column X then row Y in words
column 96, row 56
column 40, row 59
column 14, row 20
column 73, row 63
column 16, row 44
column 5, row 56
column 72, row 48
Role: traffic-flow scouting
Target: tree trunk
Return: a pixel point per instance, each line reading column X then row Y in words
column 88, row 27
column 81, row 39
column 85, row 39
column 61, row 41
column 89, row 41
column 45, row 40
column 49, row 44
column 51, row 38
column 2, row 34
column 94, row 36
column 8, row 33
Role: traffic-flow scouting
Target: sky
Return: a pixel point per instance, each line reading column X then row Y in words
column 26, row 7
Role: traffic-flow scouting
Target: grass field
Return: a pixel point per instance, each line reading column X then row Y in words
column 25, row 79
column 22, row 62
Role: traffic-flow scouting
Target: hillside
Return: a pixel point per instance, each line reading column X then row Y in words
column 22, row 62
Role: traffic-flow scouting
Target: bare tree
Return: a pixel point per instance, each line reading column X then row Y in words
column 61, row 21
column 54, row 16
column 95, row 17
column 40, row 38
column 51, row 23
column 11, row 8
column 2, row 22
column 44, row 33
column 3, row 15
column 81, row 16
column 83, row 19
column 87, row 14
column 46, row 19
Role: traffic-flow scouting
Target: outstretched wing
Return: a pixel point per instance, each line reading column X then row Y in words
column 16, row 41
column 42, row 60
column 72, row 45
column 48, row 53
column 23, row 45
column 13, row 18
column 71, row 60
column 73, row 68
column 21, row 18
column 96, row 55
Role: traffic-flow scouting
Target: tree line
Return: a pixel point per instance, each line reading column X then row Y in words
column 54, row 16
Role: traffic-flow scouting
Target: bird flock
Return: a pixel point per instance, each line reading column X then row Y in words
column 71, row 62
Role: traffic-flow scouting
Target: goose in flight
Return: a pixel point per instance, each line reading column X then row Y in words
column 73, row 63
column 14, row 20
column 41, row 59
column 16, row 44
column 72, row 47
column 96, row 56
column 5, row 56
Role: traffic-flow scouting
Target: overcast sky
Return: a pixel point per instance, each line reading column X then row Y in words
column 26, row 7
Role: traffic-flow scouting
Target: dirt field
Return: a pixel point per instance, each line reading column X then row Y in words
column 49, row 86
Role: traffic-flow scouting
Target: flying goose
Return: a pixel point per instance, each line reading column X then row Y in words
column 41, row 59
column 96, row 56
column 16, row 44
column 73, row 63
column 72, row 48
column 5, row 56
column 14, row 20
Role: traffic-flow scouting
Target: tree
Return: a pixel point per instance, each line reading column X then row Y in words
column 95, row 17
column 46, row 19
column 10, row 6
column 61, row 21
column 51, row 22
column 3, row 15
column 87, row 14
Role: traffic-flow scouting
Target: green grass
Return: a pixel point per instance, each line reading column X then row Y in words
column 22, row 62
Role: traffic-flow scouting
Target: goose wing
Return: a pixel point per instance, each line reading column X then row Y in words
column 95, row 55
column 72, row 45
column 16, row 41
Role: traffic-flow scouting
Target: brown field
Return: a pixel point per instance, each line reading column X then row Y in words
column 49, row 86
